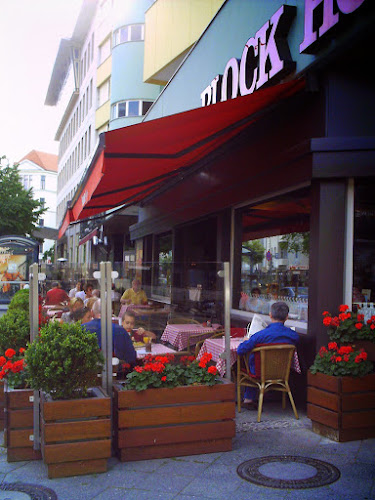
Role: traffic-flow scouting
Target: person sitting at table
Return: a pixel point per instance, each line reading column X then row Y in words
column 275, row 333
column 74, row 305
column 128, row 323
column 122, row 344
column 56, row 295
column 77, row 288
column 86, row 293
column 134, row 295
column 83, row 315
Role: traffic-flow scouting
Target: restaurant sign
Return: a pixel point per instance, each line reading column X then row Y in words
column 266, row 56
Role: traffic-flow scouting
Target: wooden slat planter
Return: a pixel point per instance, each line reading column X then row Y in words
column 160, row 423
column 76, row 434
column 19, row 425
column 2, row 405
column 341, row 408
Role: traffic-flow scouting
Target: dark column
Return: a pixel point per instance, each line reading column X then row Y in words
column 327, row 244
column 237, row 287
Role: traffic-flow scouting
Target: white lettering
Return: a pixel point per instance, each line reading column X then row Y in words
column 245, row 65
column 206, row 96
column 230, row 68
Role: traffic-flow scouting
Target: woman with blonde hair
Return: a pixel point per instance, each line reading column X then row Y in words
column 74, row 304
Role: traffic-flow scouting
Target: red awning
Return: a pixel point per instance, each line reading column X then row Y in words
column 134, row 161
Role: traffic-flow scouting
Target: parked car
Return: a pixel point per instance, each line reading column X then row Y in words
column 291, row 292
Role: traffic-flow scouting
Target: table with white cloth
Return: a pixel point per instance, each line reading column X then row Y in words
column 156, row 350
column 217, row 348
column 179, row 335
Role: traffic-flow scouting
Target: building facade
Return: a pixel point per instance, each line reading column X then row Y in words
column 38, row 170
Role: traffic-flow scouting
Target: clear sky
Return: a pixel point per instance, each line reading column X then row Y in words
column 30, row 33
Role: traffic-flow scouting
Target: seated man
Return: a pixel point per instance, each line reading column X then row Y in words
column 56, row 295
column 128, row 324
column 275, row 333
column 134, row 295
column 122, row 344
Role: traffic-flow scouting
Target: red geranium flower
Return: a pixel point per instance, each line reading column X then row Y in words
column 358, row 326
column 164, row 378
column 327, row 320
column 332, row 346
column 212, row 370
column 9, row 353
column 343, row 308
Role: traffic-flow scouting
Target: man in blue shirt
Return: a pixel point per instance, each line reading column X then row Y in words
column 122, row 344
column 275, row 333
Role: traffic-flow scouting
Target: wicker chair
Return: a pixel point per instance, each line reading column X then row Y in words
column 275, row 361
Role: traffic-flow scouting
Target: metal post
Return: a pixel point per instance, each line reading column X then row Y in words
column 227, row 307
column 108, row 318
column 103, row 312
column 34, row 330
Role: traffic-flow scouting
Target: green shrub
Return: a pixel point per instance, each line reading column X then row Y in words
column 64, row 360
column 14, row 330
column 20, row 300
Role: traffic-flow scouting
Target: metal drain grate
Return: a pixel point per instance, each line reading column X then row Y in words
column 33, row 491
column 288, row 472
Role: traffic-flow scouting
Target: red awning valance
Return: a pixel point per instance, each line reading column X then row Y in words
column 134, row 161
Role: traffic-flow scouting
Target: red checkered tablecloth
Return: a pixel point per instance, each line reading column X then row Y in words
column 178, row 335
column 217, row 347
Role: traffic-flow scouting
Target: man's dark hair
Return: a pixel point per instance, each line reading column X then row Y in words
column 279, row 311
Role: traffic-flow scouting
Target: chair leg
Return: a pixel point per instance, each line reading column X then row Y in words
column 284, row 400
column 238, row 397
column 292, row 402
column 260, row 403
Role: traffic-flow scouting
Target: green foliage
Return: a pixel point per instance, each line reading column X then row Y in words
column 64, row 360
column 296, row 242
column 349, row 326
column 14, row 330
column 20, row 300
column 256, row 250
column 49, row 254
column 19, row 211
column 341, row 361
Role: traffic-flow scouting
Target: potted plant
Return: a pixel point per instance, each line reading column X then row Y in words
column 18, row 412
column 171, row 407
column 14, row 332
column 341, row 382
column 63, row 363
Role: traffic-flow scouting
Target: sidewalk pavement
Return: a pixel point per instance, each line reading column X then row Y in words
column 214, row 476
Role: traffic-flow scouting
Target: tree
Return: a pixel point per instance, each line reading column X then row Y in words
column 256, row 252
column 296, row 242
column 19, row 211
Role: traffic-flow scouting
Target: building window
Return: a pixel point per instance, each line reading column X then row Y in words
column 275, row 255
column 161, row 275
column 103, row 92
column 130, row 33
column 27, row 181
column 104, row 51
column 130, row 108
column 42, row 202
column 41, row 223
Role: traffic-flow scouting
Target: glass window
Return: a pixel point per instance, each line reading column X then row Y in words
column 104, row 51
column 122, row 109
column 275, row 255
column 41, row 222
column 124, row 34
column 42, row 202
column 364, row 248
column 137, row 32
column 162, row 270
column 103, row 93
column 133, row 107
column 146, row 105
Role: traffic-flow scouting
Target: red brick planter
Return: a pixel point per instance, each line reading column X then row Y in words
column 76, row 435
column 341, row 408
column 160, row 423
column 19, row 425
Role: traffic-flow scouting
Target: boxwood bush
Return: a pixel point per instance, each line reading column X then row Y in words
column 14, row 330
column 64, row 361
column 20, row 300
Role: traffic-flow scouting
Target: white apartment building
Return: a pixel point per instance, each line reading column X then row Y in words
column 81, row 84
column 38, row 170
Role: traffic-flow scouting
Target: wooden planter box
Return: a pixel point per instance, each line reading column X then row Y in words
column 19, row 425
column 160, row 423
column 2, row 405
column 76, row 434
column 341, row 408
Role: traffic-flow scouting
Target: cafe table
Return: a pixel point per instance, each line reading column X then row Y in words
column 217, row 348
column 146, row 313
column 179, row 335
